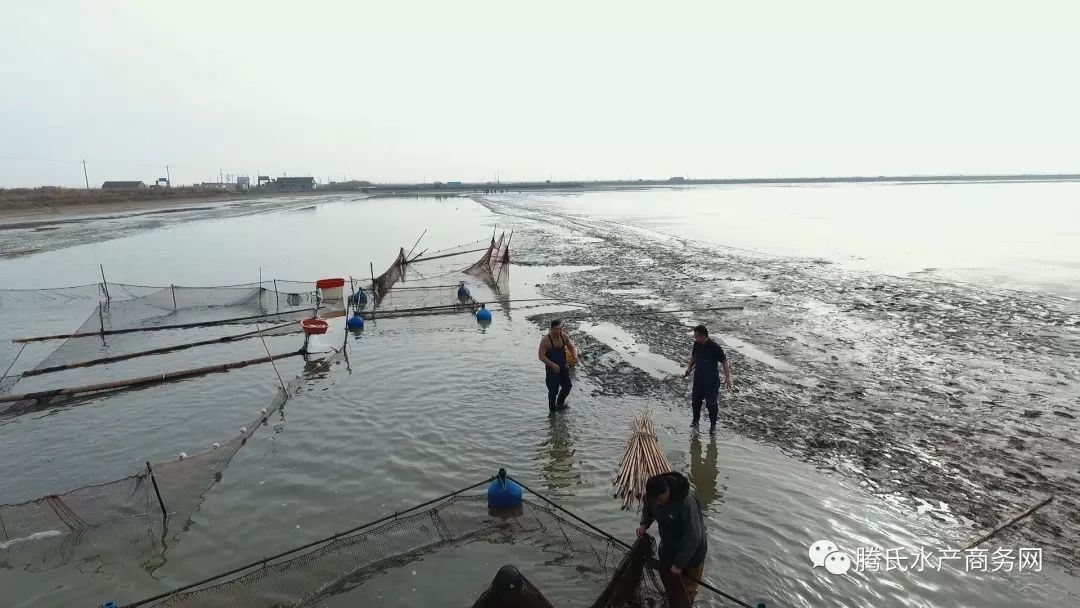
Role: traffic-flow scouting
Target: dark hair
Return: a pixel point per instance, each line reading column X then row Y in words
column 657, row 485
column 701, row 330
column 555, row 323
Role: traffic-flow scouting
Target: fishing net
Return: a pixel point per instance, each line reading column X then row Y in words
column 494, row 266
column 571, row 565
column 58, row 529
column 127, row 321
column 382, row 284
column 431, row 283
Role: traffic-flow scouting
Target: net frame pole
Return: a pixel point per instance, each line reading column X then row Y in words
column 277, row 298
column 374, row 290
column 104, row 283
column 17, row 355
column 157, row 491
column 129, row 330
column 561, row 509
column 264, row 561
column 416, row 243
column 173, row 286
column 101, row 318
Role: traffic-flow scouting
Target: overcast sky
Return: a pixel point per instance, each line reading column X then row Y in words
column 470, row 90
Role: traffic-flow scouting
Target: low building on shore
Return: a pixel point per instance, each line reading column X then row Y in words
column 295, row 183
column 123, row 185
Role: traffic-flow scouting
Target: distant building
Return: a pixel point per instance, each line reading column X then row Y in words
column 243, row 182
column 677, row 179
column 295, row 183
column 123, row 186
column 453, row 184
column 265, row 179
column 218, row 185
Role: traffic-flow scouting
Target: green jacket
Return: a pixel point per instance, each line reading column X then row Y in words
column 683, row 541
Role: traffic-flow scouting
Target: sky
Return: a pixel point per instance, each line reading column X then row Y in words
column 474, row 91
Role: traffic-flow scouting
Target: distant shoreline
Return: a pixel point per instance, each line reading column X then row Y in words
column 26, row 208
column 679, row 181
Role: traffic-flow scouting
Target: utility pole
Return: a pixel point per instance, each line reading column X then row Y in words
column 168, row 178
column 221, row 176
column 84, row 174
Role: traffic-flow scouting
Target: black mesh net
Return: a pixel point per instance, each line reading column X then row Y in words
column 457, row 544
column 118, row 327
column 54, row 530
column 494, row 266
column 129, row 321
column 437, row 283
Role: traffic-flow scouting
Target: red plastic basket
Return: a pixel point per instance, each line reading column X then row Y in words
column 314, row 327
column 329, row 283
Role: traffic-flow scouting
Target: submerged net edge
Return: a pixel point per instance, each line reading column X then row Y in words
column 349, row 560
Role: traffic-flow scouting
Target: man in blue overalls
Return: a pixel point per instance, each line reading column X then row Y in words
column 553, row 348
column 705, row 361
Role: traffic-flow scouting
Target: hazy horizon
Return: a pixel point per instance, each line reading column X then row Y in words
column 413, row 92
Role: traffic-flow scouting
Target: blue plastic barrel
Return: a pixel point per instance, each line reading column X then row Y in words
column 483, row 315
column 503, row 493
column 355, row 322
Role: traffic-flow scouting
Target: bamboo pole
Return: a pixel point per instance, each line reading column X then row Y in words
column 145, row 353
column 416, row 243
column 129, row 330
column 1012, row 521
column 445, row 255
column 161, row 503
column 142, row 381
column 104, row 283
column 643, row 459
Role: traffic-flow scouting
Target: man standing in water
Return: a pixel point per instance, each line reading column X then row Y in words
column 553, row 349
column 705, row 361
column 674, row 506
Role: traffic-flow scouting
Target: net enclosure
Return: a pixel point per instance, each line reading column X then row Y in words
column 494, row 266
column 142, row 513
column 564, row 562
column 125, row 321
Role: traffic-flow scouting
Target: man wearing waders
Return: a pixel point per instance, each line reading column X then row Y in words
column 553, row 349
column 705, row 361
column 674, row 506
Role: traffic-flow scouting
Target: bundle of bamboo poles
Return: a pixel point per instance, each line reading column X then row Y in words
column 642, row 460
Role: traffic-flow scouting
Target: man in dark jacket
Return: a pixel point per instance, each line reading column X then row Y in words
column 705, row 362
column 674, row 506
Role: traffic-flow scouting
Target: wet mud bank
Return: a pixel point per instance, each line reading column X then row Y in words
column 950, row 401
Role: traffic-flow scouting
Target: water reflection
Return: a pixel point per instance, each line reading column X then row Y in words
column 556, row 455
column 703, row 470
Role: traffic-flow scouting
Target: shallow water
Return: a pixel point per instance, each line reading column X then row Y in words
column 425, row 406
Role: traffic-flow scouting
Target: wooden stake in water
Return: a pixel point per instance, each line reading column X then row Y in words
column 161, row 503
column 104, row 283
column 1012, row 521
column 271, row 357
